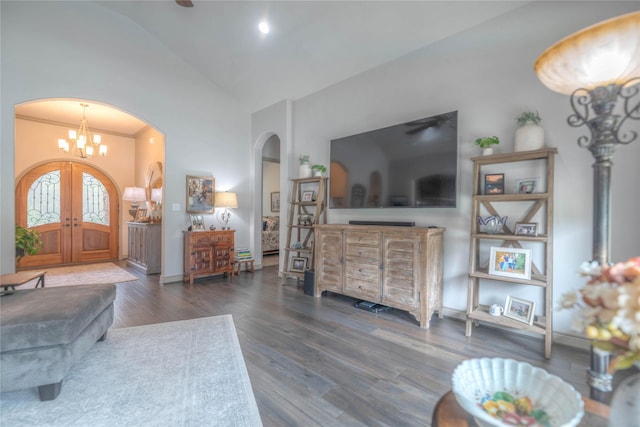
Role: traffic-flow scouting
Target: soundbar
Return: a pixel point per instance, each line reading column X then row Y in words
column 392, row 223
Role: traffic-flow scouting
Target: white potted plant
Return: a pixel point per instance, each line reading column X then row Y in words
column 487, row 144
column 318, row 170
column 305, row 166
column 529, row 135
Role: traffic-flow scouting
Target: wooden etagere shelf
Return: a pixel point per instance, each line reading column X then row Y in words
column 539, row 203
column 303, row 215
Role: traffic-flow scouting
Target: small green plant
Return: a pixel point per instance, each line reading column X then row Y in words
column 528, row 117
column 487, row 141
column 320, row 168
column 28, row 242
column 303, row 159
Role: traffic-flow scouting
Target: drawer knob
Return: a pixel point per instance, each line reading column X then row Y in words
column 360, row 270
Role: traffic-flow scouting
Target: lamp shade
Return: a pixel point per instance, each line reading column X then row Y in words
column 602, row 54
column 226, row 199
column 156, row 195
column 134, row 194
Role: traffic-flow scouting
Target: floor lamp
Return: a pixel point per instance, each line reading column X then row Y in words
column 599, row 67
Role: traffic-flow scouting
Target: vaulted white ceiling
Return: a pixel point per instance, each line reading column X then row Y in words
column 312, row 44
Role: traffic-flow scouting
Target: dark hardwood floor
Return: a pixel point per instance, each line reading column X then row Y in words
column 324, row 362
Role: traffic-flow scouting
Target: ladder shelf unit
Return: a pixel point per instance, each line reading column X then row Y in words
column 529, row 206
column 308, row 207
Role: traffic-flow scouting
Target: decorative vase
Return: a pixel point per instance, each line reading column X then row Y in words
column 625, row 403
column 487, row 151
column 529, row 137
column 305, row 170
column 317, row 173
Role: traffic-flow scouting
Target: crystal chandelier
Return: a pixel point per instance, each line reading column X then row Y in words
column 85, row 146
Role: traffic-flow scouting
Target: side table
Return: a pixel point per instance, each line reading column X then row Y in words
column 448, row 413
column 248, row 265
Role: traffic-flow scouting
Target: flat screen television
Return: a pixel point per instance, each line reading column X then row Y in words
column 409, row 165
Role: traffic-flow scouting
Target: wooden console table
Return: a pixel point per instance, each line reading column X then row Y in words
column 448, row 413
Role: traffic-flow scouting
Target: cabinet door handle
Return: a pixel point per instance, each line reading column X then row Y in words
column 360, row 270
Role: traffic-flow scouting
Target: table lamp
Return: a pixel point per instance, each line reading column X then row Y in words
column 135, row 195
column 225, row 200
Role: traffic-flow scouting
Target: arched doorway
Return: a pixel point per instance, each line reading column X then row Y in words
column 75, row 208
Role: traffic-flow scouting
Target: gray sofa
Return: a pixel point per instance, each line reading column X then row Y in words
column 44, row 332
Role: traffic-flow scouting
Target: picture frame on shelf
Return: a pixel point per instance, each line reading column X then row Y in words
column 307, row 196
column 141, row 215
column 526, row 228
column 275, row 201
column 494, row 183
column 526, row 185
column 197, row 223
column 200, row 194
column 510, row 262
column 520, row 310
column 298, row 264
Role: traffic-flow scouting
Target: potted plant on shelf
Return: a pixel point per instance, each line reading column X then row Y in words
column 305, row 166
column 530, row 134
column 318, row 170
column 487, row 144
column 28, row 242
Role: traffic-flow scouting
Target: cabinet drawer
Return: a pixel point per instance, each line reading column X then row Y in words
column 367, row 290
column 362, row 271
column 203, row 239
column 360, row 253
column 362, row 238
column 224, row 237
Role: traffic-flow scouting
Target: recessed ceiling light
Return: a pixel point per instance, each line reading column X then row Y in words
column 264, row 27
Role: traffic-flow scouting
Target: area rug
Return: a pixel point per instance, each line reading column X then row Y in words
column 185, row 373
column 89, row 274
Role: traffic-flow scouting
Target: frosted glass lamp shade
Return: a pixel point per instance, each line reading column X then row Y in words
column 602, row 54
column 134, row 194
column 226, row 199
column 156, row 195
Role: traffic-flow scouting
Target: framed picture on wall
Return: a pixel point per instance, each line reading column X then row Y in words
column 275, row 201
column 200, row 194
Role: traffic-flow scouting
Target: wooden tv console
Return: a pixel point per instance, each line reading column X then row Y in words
column 399, row 267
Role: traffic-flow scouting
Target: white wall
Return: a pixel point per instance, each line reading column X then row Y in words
column 206, row 132
column 274, row 120
column 487, row 75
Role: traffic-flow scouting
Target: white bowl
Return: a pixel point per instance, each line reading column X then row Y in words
column 477, row 380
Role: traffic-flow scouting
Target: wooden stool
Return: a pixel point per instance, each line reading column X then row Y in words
column 11, row 280
column 248, row 265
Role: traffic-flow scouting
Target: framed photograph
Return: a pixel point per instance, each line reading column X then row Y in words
column 197, row 223
column 510, row 262
column 494, row 183
column 520, row 310
column 275, row 201
column 141, row 215
column 298, row 264
column 527, row 228
column 307, row 196
column 526, row 185
column 200, row 194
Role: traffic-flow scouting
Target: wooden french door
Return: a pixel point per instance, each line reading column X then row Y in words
column 74, row 206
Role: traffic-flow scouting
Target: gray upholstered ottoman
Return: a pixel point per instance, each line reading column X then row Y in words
column 43, row 332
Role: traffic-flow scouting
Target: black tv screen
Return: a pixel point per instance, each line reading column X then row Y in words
column 409, row 165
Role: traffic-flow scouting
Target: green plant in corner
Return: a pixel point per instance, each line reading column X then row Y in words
column 487, row 141
column 28, row 242
column 528, row 117
column 303, row 159
column 320, row 168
